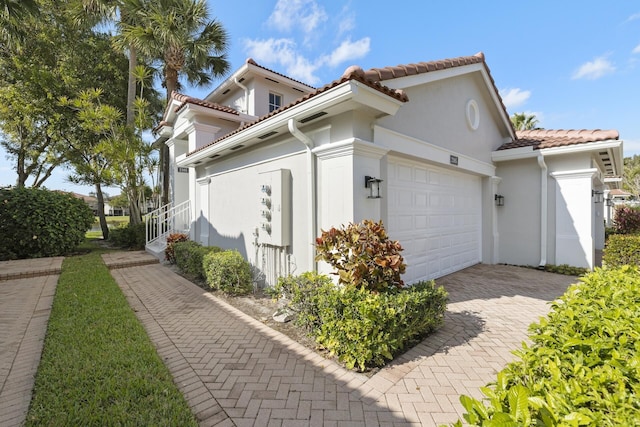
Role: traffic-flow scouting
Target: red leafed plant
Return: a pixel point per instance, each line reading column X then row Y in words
column 172, row 239
column 363, row 256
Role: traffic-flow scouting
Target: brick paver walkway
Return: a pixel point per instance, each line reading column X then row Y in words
column 235, row 370
column 26, row 295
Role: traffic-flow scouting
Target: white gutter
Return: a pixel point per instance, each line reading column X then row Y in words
column 246, row 94
column 311, row 181
column 544, row 202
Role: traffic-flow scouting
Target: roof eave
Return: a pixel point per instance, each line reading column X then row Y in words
column 351, row 90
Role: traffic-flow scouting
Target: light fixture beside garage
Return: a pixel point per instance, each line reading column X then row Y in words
column 373, row 184
column 499, row 199
column 598, row 196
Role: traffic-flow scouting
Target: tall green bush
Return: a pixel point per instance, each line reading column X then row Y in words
column 622, row 249
column 228, row 272
column 189, row 257
column 363, row 255
column 41, row 223
column 583, row 368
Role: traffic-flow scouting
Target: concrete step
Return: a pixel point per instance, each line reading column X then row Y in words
column 157, row 249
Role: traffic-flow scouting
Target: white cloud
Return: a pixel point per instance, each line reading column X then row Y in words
column 636, row 49
column 633, row 17
column 283, row 52
column 595, row 69
column 514, row 97
column 349, row 50
column 305, row 15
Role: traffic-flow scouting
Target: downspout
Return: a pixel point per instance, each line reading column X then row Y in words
column 311, row 181
column 543, row 209
column 246, row 94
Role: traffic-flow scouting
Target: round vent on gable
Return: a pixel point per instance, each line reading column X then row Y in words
column 473, row 114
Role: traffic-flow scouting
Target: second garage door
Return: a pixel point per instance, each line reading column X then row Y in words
column 435, row 213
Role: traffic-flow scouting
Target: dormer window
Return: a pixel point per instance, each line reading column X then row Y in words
column 275, row 101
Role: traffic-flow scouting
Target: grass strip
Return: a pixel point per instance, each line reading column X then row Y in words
column 98, row 365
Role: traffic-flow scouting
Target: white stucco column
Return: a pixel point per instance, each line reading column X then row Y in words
column 200, row 134
column 494, row 181
column 574, row 218
column 342, row 167
column 178, row 177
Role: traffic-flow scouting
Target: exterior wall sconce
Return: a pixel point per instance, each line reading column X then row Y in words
column 610, row 203
column 598, row 196
column 499, row 199
column 373, row 184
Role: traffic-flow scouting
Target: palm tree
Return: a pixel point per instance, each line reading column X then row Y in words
column 121, row 13
column 180, row 36
column 524, row 121
column 12, row 12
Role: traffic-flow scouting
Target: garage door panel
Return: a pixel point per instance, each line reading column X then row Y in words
column 435, row 213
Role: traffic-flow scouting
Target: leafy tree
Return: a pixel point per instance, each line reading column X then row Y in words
column 32, row 124
column 179, row 35
column 524, row 121
column 631, row 176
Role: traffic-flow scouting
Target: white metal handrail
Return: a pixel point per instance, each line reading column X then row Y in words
column 166, row 220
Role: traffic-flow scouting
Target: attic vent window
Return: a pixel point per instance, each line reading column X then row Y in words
column 214, row 156
column 313, row 117
column 275, row 101
column 241, row 80
column 271, row 80
column 473, row 114
column 267, row 135
column 226, row 91
column 237, row 147
column 299, row 90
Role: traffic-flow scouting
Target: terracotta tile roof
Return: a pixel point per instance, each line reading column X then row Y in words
column 352, row 73
column 254, row 63
column 546, row 138
column 386, row 73
column 185, row 99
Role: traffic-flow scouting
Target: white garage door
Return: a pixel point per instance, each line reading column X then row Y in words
column 435, row 213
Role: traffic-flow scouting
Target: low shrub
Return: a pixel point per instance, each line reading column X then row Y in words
column 301, row 292
column 189, row 256
column 583, row 367
column 566, row 269
column 228, row 272
column 622, row 249
column 38, row 223
column 363, row 256
column 626, row 220
column 172, row 239
column 131, row 236
column 363, row 328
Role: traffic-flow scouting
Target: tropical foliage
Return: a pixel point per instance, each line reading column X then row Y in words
column 583, row 365
column 524, row 121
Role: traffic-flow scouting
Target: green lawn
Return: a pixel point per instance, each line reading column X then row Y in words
column 98, row 366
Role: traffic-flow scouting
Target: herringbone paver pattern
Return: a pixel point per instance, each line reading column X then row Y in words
column 26, row 296
column 235, row 370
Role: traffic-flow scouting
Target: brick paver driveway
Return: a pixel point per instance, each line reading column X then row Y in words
column 235, row 370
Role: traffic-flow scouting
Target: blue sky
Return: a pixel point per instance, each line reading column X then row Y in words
column 575, row 65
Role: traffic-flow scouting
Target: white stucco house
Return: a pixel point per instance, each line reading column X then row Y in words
column 265, row 162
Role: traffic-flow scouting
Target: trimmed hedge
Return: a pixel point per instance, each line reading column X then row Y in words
column 189, row 256
column 131, row 236
column 228, row 272
column 622, row 249
column 37, row 223
column 584, row 365
column 363, row 329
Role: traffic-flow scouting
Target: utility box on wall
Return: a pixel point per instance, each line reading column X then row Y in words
column 275, row 208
